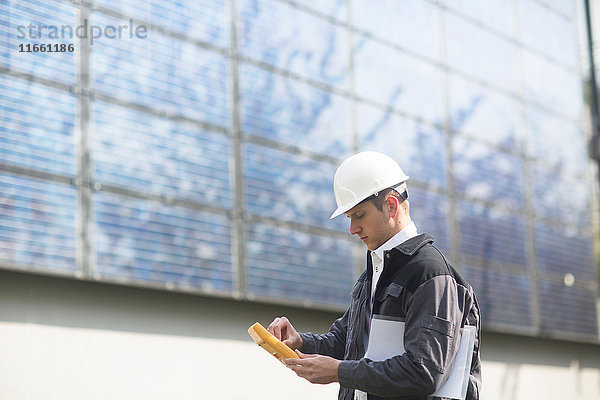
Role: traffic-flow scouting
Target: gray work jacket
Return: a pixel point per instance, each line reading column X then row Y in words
column 419, row 286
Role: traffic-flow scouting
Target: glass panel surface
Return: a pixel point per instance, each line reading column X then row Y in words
column 477, row 52
column 160, row 156
column 479, row 111
column 564, row 251
column 504, row 299
column 146, row 241
column 294, row 113
column 551, row 86
column 287, row 38
column 34, row 134
column 556, row 140
column 299, row 266
column 548, row 32
column 566, row 7
column 290, row 187
column 334, row 8
column 429, row 211
column 492, row 235
column 560, row 195
column 487, row 174
column 567, row 311
column 205, row 20
column 402, row 82
column 492, row 13
column 420, row 149
column 402, row 23
column 29, row 23
column 163, row 73
column 37, row 224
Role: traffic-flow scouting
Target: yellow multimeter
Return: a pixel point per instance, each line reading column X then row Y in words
column 270, row 343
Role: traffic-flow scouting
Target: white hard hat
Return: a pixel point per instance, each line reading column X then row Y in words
column 363, row 175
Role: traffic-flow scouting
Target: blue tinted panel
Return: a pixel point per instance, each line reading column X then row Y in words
column 495, row 14
column 429, row 211
column 475, row 51
column 567, row 310
column 551, row 86
column 334, row 8
column 556, row 140
column 280, row 35
column 411, row 24
column 487, row 174
column 401, row 82
column 161, row 72
column 147, row 241
column 160, row 156
column 563, row 250
column 490, row 234
column 47, row 22
column 204, row 20
column 37, row 223
column 482, row 112
column 36, row 126
column 544, row 30
column 504, row 298
column 420, row 149
column 552, row 186
column 290, row 187
column 294, row 113
column 298, row 266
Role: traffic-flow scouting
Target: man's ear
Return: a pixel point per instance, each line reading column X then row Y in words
column 394, row 206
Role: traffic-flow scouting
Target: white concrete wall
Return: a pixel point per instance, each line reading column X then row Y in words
column 519, row 368
column 49, row 362
column 62, row 339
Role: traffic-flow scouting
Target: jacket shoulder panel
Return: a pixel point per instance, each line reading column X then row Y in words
column 425, row 264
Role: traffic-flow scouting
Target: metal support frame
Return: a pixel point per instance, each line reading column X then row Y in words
column 594, row 111
column 237, row 166
column 85, row 247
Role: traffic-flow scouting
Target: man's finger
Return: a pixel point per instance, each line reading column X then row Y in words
column 290, row 361
column 275, row 329
column 270, row 327
column 302, row 355
column 295, row 362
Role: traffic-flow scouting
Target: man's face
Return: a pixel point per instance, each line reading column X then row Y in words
column 372, row 226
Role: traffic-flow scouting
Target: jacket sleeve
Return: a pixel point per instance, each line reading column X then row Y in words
column 431, row 340
column 332, row 343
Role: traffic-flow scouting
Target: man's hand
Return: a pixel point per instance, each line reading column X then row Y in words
column 283, row 330
column 314, row 368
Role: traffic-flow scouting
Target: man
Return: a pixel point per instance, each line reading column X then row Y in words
column 406, row 279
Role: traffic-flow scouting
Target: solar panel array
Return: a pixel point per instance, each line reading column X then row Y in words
column 196, row 151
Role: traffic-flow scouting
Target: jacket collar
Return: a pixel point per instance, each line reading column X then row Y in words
column 412, row 245
column 408, row 232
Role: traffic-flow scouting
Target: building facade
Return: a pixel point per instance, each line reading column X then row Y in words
column 183, row 151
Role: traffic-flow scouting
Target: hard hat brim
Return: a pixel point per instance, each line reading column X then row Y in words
column 340, row 210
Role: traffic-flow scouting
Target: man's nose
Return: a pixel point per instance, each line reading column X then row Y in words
column 354, row 228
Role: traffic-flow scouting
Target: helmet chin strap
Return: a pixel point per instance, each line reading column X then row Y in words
column 401, row 188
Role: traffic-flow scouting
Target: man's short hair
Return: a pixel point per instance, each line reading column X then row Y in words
column 380, row 198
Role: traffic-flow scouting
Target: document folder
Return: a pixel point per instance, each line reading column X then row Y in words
column 386, row 340
column 270, row 343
